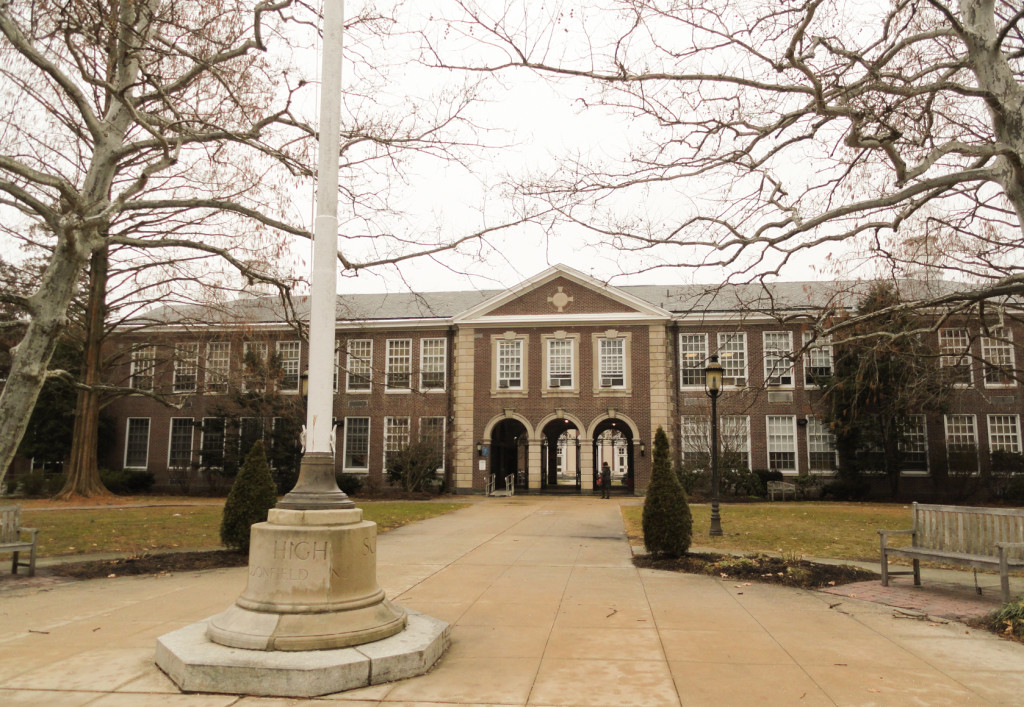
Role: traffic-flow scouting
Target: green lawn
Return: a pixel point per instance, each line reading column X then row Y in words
column 171, row 527
column 843, row 531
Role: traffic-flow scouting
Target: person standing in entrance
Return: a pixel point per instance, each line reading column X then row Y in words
column 606, row 480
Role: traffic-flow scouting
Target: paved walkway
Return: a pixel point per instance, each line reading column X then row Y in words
column 546, row 609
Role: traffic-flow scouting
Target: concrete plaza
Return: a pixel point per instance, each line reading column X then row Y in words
column 546, row 609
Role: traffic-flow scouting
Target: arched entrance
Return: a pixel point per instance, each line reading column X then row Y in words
column 613, row 444
column 509, row 452
column 560, row 456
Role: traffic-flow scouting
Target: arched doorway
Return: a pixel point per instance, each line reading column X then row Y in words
column 509, row 452
column 560, row 456
column 613, row 444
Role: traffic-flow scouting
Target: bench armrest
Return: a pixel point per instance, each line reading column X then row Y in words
column 32, row 531
column 886, row 533
column 1009, row 546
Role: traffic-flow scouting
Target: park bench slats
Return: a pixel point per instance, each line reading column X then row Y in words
column 975, row 537
column 11, row 539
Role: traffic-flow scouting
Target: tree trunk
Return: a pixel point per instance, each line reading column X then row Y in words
column 83, row 475
column 31, row 357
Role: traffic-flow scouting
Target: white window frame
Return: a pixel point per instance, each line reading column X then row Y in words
column 998, row 356
column 785, row 430
column 955, row 353
column 693, row 357
column 777, row 349
column 186, row 368
column 262, row 351
column 127, row 441
column 695, row 436
column 820, row 441
column 218, row 366
column 816, row 352
column 967, row 433
column 732, row 354
column 560, row 358
column 917, row 443
column 290, row 366
column 611, row 365
column 736, row 428
column 170, row 440
column 434, row 360
column 444, row 433
column 395, row 435
column 223, row 438
column 345, row 451
column 143, row 368
column 509, row 369
column 398, row 363
column 1003, row 440
column 337, row 364
column 359, row 367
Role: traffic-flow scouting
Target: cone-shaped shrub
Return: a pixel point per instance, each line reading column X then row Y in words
column 668, row 525
column 251, row 496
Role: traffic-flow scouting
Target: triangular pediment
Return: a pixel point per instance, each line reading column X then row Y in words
column 561, row 294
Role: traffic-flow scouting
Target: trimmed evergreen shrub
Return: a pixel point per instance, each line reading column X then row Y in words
column 126, row 482
column 350, row 484
column 251, row 496
column 667, row 523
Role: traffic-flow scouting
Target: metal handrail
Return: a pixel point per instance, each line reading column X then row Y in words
column 510, row 484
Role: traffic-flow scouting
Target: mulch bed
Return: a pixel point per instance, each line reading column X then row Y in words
column 759, row 568
column 162, row 563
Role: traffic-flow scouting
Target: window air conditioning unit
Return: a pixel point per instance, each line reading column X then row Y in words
column 502, row 384
column 555, row 384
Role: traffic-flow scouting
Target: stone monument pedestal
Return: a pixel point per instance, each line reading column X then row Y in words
column 312, row 593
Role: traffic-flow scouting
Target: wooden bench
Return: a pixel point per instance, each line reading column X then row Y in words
column 976, row 537
column 10, row 538
column 782, row 487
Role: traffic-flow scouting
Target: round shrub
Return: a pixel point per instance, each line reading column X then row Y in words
column 667, row 523
column 251, row 496
column 350, row 484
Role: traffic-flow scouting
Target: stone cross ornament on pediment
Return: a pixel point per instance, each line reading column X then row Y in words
column 560, row 300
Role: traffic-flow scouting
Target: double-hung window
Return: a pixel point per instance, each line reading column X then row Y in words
column 136, row 446
column 611, row 362
column 179, row 452
column 432, row 433
column 821, row 446
column 143, row 363
column 735, row 441
column 254, row 364
column 781, row 442
column 186, row 364
column 211, row 448
column 357, row 443
column 399, row 364
column 396, row 436
column 961, row 443
column 732, row 354
column 1004, row 434
column 358, row 362
column 778, row 362
column 693, row 358
column 218, row 366
column 288, row 359
column 955, row 355
column 696, row 441
column 510, row 364
column 817, row 359
column 433, row 360
column 997, row 353
column 561, row 355
column 914, row 443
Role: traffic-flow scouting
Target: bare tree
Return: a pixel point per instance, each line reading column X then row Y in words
column 165, row 141
column 765, row 134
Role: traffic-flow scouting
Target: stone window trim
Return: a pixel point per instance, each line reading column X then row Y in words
column 524, row 356
column 547, row 390
column 359, row 366
column 356, row 442
column 134, row 436
column 626, row 389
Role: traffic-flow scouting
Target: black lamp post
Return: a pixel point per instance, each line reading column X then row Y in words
column 713, row 387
